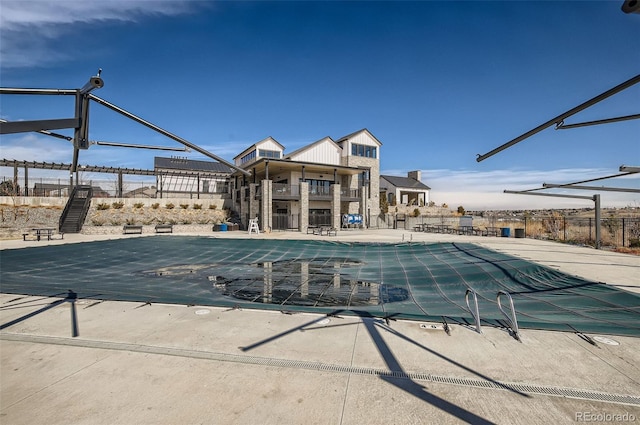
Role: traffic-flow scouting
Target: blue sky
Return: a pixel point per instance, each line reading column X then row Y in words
column 436, row 82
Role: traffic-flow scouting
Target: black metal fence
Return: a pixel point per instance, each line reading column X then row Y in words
column 615, row 231
column 61, row 188
column 280, row 221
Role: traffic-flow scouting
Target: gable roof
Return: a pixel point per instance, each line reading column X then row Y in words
column 190, row 165
column 255, row 145
column 355, row 133
column 311, row 146
column 406, row 182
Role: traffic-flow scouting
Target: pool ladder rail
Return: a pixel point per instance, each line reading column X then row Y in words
column 511, row 318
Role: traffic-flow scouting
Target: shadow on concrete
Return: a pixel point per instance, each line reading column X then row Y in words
column 290, row 331
column 70, row 298
column 413, row 387
column 372, row 325
column 381, row 325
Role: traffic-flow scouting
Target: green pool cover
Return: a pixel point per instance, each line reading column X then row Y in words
column 411, row 280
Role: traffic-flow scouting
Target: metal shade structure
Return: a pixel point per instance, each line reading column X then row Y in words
column 579, row 185
column 594, row 198
column 595, row 188
column 80, row 122
column 559, row 120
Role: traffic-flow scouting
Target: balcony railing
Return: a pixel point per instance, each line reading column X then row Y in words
column 292, row 192
column 319, row 192
column 285, row 191
column 353, row 194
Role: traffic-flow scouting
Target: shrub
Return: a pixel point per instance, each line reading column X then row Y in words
column 116, row 222
column 130, row 221
column 102, row 206
column 186, row 221
column 197, row 206
column 97, row 221
column 155, row 206
column 384, row 204
column 169, row 206
column 416, row 212
column 138, row 205
column 213, row 207
column 184, row 206
column 117, row 205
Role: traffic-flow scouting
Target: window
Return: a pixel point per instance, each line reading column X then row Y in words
column 363, row 178
column 264, row 153
column 364, row 151
column 319, row 187
column 248, row 157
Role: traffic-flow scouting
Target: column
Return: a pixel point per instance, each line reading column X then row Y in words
column 266, row 206
column 335, row 206
column 304, row 206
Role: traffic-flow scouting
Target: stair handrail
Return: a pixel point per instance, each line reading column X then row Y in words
column 475, row 312
column 511, row 321
column 85, row 206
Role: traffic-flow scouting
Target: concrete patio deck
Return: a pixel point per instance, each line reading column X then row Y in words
column 174, row 364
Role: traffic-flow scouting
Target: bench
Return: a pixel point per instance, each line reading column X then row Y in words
column 329, row 231
column 131, row 228
column 164, row 228
column 325, row 230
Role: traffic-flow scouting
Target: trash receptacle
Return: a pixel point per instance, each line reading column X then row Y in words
column 519, row 233
column 505, row 232
column 223, row 227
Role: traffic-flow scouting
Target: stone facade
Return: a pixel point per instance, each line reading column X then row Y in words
column 344, row 180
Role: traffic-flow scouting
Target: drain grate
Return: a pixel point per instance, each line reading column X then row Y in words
column 327, row 367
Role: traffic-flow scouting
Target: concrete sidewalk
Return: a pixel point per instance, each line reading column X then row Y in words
column 132, row 363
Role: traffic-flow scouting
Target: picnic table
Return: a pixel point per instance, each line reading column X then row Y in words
column 42, row 232
column 442, row 228
column 420, row 227
column 492, row 231
column 465, row 230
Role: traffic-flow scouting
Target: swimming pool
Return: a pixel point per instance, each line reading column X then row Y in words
column 418, row 281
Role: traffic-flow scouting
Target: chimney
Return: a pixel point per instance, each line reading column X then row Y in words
column 415, row 175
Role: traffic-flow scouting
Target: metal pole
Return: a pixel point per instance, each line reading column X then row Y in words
column 596, row 122
column 549, row 194
column 596, row 199
column 562, row 116
column 10, row 90
column 26, row 181
column 164, row 132
column 16, row 192
column 120, row 185
column 596, row 188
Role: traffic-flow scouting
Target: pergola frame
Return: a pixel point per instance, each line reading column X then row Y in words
column 118, row 171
